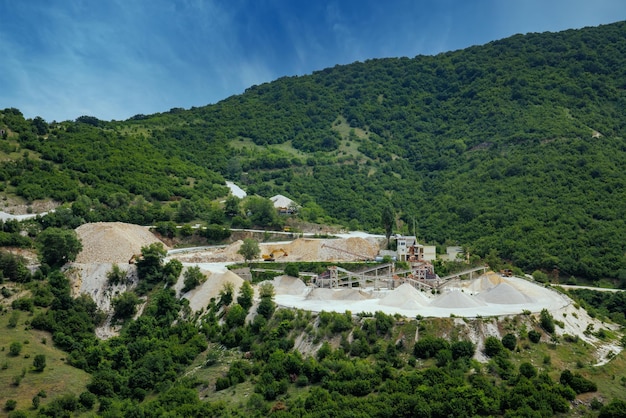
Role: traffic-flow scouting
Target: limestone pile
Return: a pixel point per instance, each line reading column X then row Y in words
column 320, row 294
column 405, row 296
column 349, row 249
column 484, row 282
column 112, row 242
column 304, row 249
column 287, row 285
column 349, row 294
column 457, row 299
column 506, row 294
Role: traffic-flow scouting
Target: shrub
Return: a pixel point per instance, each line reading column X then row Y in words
column 534, row 336
column 222, row 383
column 87, row 400
column 577, row 382
column 493, row 346
column 192, row 278
column 116, row 275
column 23, row 304
column 616, row 408
column 292, row 269
column 10, row 404
column 540, row 276
column 39, row 363
column 461, row 349
column 125, row 305
column 509, row 341
column 15, row 316
column 428, row 347
column 527, row 370
column 547, row 321
column 15, row 348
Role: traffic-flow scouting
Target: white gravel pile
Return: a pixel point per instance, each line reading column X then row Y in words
column 457, row 299
column 287, row 285
column 484, row 282
column 320, row 294
column 505, row 293
column 350, row 294
column 405, row 296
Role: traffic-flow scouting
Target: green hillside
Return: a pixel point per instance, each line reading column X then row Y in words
column 516, row 146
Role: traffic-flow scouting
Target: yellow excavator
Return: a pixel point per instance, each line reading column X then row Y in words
column 272, row 256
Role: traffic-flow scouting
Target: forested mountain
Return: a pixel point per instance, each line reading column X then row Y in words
column 515, row 146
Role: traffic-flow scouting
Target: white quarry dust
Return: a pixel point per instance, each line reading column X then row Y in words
column 488, row 295
column 406, row 297
column 457, row 299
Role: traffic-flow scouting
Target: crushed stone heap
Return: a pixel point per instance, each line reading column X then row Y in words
column 112, row 242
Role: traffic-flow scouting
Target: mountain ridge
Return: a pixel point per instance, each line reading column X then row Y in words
column 514, row 146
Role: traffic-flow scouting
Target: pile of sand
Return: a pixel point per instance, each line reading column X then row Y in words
column 484, row 282
column 303, row 249
column 405, row 297
column 457, row 299
column 345, row 294
column 112, row 242
column 287, row 285
column 348, row 249
column 353, row 248
column 230, row 252
column 319, row 293
column 506, row 294
column 350, row 294
column 200, row 296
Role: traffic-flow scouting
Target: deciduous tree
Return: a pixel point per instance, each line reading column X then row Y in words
column 57, row 246
column 249, row 249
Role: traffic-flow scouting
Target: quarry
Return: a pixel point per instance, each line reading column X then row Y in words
column 477, row 298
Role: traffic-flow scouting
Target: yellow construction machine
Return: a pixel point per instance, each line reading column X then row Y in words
column 272, row 256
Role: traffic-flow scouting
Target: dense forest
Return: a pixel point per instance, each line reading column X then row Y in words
column 516, row 146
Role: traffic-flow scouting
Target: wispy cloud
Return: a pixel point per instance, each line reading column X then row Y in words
column 117, row 58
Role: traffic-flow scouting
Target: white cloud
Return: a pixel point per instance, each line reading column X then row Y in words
column 118, row 58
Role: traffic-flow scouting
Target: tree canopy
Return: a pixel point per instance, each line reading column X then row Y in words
column 57, row 246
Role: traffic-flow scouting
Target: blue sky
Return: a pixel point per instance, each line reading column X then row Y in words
column 116, row 58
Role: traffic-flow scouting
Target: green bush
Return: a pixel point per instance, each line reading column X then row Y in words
column 292, row 269
column 10, row 404
column 222, row 383
column 493, row 346
column 540, row 276
column 509, row 341
column 15, row 348
column 428, row 347
column 534, row 336
column 87, row 400
column 547, row 321
column 39, row 362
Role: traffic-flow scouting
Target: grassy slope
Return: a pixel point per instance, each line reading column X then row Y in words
column 57, row 378
column 545, row 356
